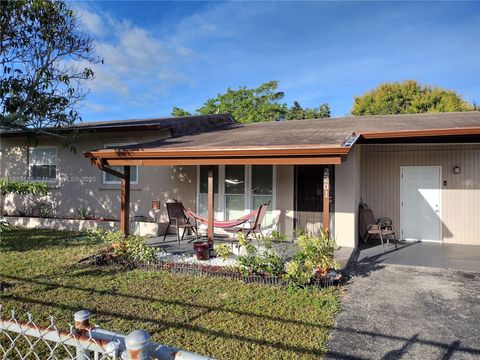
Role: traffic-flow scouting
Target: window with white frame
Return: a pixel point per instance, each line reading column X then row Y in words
column 112, row 179
column 42, row 163
column 239, row 189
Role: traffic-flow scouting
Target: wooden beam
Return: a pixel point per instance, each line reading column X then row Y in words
column 326, row 200
column 125, row 201
column 228, row 161
column 100, row 163
column 244, row 151
column 210, row 200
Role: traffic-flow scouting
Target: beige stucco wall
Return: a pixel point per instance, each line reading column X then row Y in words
column 347, row 189
column 80, row 184
column 380, row 184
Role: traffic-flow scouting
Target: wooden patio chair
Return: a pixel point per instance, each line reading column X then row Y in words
column 382, row 227
column 178, row 219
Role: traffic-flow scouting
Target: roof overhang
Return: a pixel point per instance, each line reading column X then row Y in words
column 274, row 155
column 420, row 133
column 302, row 154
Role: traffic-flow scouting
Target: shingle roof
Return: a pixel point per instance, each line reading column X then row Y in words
column 332, row 132
column 177, row 125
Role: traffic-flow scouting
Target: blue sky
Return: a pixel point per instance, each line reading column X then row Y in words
column 161, row 54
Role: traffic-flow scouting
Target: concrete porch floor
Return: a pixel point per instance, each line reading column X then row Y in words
column 435, row 255
column 171, row 245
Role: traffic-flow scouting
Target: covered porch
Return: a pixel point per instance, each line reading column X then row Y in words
column 118, row 162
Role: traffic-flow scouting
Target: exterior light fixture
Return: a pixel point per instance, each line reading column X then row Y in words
column 456, row 170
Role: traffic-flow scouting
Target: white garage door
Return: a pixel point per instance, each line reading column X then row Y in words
column 421, row 213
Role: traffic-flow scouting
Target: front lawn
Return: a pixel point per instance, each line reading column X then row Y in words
column 222, row 318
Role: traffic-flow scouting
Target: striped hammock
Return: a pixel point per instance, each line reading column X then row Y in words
column 221, row 224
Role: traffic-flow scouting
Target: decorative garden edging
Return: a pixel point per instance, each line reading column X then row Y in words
column 224, row 272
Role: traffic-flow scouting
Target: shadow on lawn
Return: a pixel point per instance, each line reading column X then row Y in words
column 25, row 240
column 450, row 349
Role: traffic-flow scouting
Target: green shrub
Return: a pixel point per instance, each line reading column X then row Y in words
column 23, row 187
column 24, row 210
column 223, row 250
column 131, row 248
column 315, row 254
column 4, row 226
column 271, row 238
column 84, row 213
column 43, row 209
column 266, row 262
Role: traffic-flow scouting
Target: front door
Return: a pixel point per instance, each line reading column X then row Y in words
column 309, row 196
column 421, row 216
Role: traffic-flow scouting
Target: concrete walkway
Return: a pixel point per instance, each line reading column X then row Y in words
column 408, row 312
column 436, row 255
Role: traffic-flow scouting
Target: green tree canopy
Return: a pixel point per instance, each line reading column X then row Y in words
column 256, row 105
column 176, row 111
column 45, row 58
column 408, row 97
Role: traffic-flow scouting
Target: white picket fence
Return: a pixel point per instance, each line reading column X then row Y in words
column 27, row 340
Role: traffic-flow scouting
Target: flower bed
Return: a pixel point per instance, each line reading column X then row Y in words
column 197, row 269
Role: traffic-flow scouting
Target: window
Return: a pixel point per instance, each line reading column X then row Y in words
column 262, row 189
column 203, row 190
column 234, row 191
column 42, row 163
column 238, row 190
column 112, row 179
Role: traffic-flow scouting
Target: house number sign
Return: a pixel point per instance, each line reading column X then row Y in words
column 326, row 183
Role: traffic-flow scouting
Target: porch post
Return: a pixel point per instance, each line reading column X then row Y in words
column 125, row 201
column 210, row 201
column 326, row 199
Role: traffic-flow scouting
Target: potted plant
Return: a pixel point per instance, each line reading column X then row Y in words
column 202, row 250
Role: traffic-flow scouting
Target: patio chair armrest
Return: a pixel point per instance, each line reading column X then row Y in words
column 373, row 227
column 189, row 220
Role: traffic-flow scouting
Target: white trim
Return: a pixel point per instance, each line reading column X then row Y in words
column 440, row 205
column 117, row 182
column 30, row 148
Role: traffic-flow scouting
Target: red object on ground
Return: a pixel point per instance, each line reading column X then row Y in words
column 202, row 250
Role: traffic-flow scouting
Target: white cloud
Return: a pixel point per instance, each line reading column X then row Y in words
column 135, row 61
column 91, row 21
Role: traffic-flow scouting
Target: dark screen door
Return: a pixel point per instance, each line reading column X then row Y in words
column 309, row 196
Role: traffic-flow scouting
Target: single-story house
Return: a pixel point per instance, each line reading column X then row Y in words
column 421, row 170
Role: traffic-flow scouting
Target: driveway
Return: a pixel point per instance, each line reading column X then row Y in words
column 408, row 312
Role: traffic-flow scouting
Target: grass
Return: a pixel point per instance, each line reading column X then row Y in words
column 222, row 318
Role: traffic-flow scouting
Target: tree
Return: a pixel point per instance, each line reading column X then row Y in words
column 256, row 105
column 176, row 111
column 45, row 57
column 296, row 112
column 408, row 97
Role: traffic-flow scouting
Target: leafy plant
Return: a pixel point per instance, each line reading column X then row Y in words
column 84, row 213
column 131, row 248
column 266, row 262
column 271, row 238
column 43, row 209
column 315, row 255
column 23, row 187
column 24, row 210
column 4, row 226
column 223, row 250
